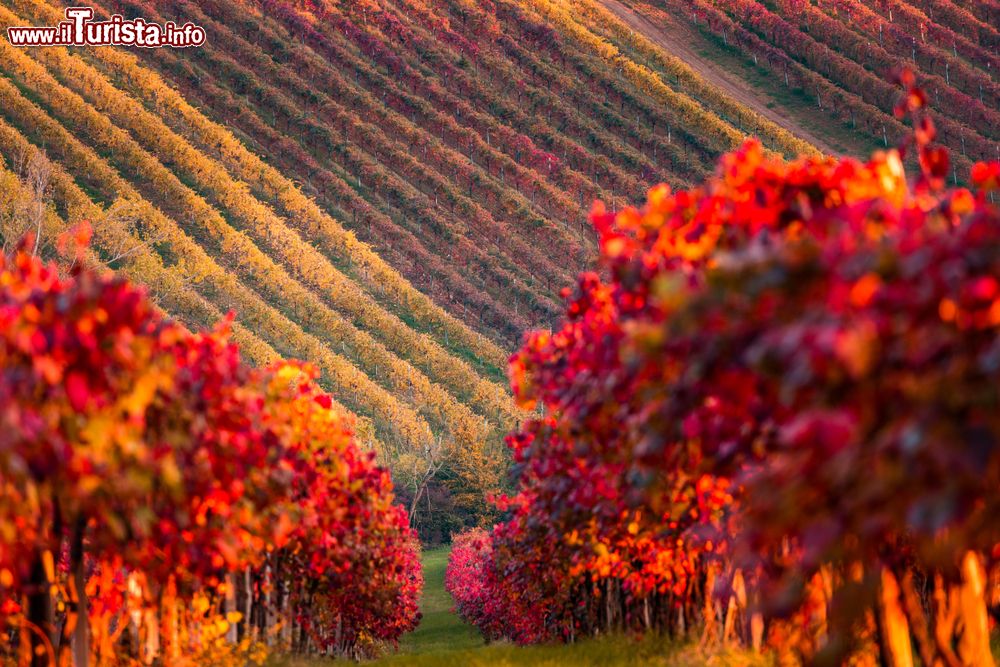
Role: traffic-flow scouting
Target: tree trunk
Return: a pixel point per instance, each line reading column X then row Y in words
column 757, row 631
column 245, row 627
column 151, row 648
column 711, row 630
column 37, row 635
column 918, row 620
column 81, row 633
column 974, row 644
column 895, row 631
column 735, row 604
column 173, row 621
column 945, row 620
column 231, row 605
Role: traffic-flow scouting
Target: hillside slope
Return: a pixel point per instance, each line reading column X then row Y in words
column 842, row 59
column 394, row 190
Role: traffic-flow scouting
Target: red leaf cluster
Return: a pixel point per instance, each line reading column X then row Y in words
column 155, row 462
column 788, row 377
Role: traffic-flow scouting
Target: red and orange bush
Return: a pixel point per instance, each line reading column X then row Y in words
column 772, row 417
column 162, row 501
column 470, row 579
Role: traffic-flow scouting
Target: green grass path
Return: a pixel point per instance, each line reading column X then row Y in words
column 444, row 640
column 440, row 628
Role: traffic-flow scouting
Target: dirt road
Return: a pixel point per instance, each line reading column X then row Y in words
column 676, row 40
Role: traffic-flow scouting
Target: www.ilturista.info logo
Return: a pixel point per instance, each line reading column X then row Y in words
column 80, row 30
